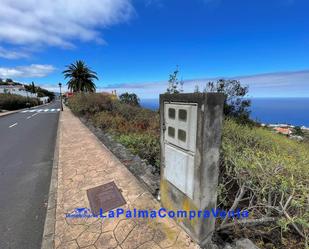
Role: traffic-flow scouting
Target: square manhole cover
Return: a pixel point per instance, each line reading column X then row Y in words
column 106, row 196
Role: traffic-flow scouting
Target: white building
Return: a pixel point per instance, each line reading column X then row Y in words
column 17, row 89
column 44, row 100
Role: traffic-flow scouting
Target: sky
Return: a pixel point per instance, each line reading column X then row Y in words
column 134, row 45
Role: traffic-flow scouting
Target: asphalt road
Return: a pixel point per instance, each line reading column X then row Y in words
column 27, row 143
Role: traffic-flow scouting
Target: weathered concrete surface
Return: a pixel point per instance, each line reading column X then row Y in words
column 206, row 168
column 86, row 163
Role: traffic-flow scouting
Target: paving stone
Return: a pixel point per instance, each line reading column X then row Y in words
column 83, row 164
column 109, row 224
column 89, row 247
column 106, row 241
column 87, row 238
column 184, row 241
column 166, row 236
column 95, row 227
column 139, row 235
column 149, row 245
column 69, row 245
column 72, row 233
column 57, row 241
column 122, row 230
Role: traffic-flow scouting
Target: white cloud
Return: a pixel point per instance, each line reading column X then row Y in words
column 34, row 70
column 59, row 22
column 51, row 87
column 10, row 54
column 278, row 84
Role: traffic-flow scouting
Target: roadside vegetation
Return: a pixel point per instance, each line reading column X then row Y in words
column 262, row 172
column 41, row 92
column 10, row 102
column 136, row 128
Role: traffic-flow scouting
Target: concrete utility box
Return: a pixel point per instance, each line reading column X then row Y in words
column 190, row 141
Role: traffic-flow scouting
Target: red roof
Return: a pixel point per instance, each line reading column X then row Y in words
column 286, row 131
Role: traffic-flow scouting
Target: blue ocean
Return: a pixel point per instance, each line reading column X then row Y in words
column 294, row 111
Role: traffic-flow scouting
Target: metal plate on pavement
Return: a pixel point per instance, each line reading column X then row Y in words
column 105, row 197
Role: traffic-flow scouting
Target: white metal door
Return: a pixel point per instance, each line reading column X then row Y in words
column 180, row 145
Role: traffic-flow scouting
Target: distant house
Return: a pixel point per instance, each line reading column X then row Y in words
column 17, row 89
column 44, row 100
column 69, row 94
column 283, row 130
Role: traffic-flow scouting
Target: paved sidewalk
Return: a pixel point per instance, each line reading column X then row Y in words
column 84, row 163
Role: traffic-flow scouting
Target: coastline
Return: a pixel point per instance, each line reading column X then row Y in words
column 268, row 111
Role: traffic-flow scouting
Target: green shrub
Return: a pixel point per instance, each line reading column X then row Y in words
column 12, row 102
column 127, row 111
column 89, row 103
column 272, row 169
column 114, row 123
column 145, row 145
column 123, row 118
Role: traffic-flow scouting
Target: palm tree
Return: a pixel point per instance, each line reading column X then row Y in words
column 81, row 77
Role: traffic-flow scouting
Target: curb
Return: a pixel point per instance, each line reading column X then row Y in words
column 50, row 219
column 19, row 110
column 9, row 112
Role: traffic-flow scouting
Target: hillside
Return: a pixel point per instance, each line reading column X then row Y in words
column 262, row 172
column 32, row 88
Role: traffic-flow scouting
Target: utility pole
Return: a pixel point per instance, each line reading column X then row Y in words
column 60, row 97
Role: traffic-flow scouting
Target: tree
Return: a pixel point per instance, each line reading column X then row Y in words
column 81, row 77
column 196, row 89
column 174, row 85
column 33, row 87
column 297, row 131
column 41, row 92
column 236, row 105
column 129, row 98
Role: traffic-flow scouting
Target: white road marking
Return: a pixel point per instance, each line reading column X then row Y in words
column 41, row 110
column 32, row 115
column 13, row 125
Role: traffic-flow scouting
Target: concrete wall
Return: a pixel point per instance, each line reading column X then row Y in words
column 18, row 91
